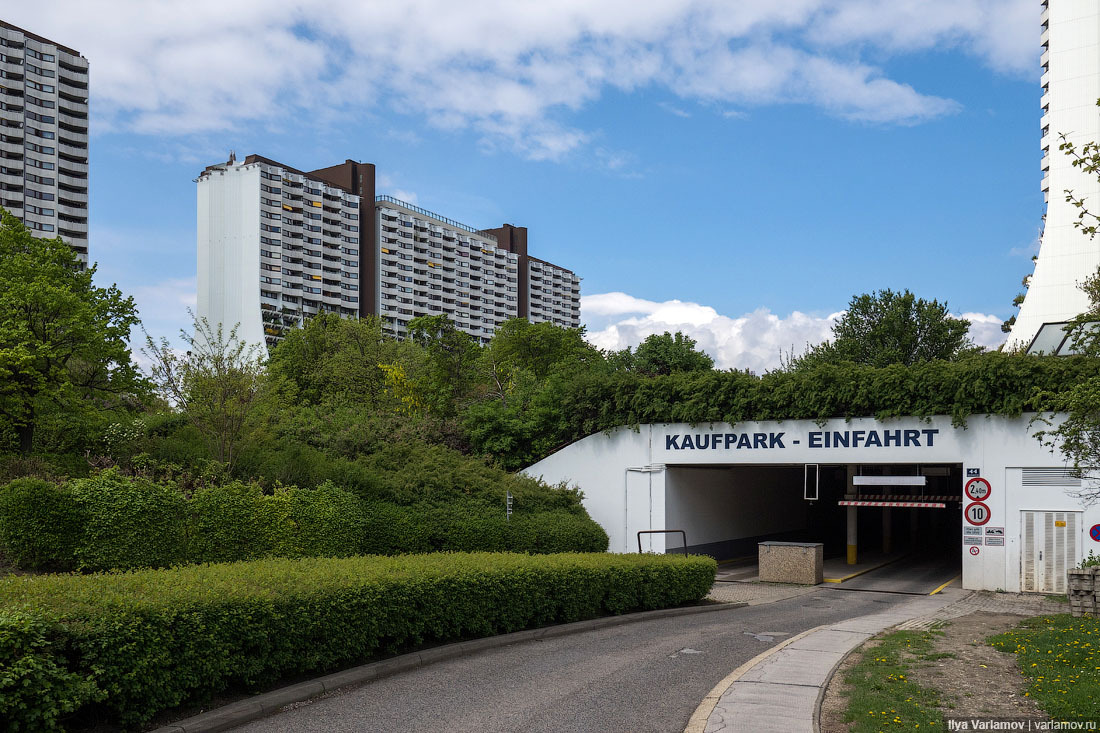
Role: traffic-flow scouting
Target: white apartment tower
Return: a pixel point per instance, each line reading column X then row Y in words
column 44, row 136
column 1071, row 87
column 277, row 245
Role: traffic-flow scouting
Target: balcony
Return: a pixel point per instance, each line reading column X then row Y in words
column 81, row 212
column 73, row 150
column 79, row 122
column 78, row 109
column 11, row 148
column 71, row 168
column 73, row 138
column 71, row 89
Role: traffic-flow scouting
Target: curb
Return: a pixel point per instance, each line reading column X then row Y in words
column 698, row 721
column 269, row 703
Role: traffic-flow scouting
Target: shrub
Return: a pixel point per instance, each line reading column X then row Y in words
column 225, row 524
column 556, row 532
column 128, row 523
column 159, row 638
column 321, row 522
column 36, row 688
column 39, row 524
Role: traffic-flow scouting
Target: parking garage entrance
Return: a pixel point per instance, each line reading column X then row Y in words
column 929, row 494
column 892, row 520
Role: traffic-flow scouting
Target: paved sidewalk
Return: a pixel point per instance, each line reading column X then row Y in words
column 1021, row 604
column 779, row 690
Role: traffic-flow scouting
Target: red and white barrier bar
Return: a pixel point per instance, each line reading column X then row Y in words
column 906, row 504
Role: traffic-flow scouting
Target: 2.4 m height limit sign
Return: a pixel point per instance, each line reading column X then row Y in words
column 977, row 513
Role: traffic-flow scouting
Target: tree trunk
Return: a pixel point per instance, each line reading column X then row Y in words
column 26, row 437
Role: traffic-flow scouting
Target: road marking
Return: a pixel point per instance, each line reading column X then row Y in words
column 861, row 572
column 945, row 585
column 698, row 722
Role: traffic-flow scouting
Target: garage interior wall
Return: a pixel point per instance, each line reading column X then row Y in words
column 725, row 511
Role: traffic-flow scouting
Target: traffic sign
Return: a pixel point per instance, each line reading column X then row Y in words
column 975, row 550
column 973, row 472
column 978, row 489
column 977, row 513
column 972, row 540
column 1094, row 533
column 995, row 531
column 995, row 541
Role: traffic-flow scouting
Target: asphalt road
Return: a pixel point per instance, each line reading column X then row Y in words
column 646, row 676
column 911, row 575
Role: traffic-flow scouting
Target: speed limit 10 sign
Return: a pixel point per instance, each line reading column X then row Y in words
column 978, row 489
column 977, row 513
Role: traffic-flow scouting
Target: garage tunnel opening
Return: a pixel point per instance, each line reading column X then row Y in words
column 906, row 514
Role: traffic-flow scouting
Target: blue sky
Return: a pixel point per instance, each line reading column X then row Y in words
column 734, row 170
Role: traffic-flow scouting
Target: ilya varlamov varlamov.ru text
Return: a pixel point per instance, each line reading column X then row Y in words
column 1021, row 724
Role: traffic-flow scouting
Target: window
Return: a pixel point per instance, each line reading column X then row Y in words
column 47, row 103
column 39, row 55
column 43, row 164
column 47, row 119
column 46, row 134
column 48, row 88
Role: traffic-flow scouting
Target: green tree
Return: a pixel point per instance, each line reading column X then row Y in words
column 215, row 384
column 885, row 327
column 668, row 353
column 451, row 355
column 333, row 360
column 63, row 341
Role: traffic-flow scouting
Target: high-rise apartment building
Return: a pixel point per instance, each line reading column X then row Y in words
column 1071, row 85
column 277, row 245
column 44, row 136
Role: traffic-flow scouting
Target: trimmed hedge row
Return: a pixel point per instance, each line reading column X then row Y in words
column 111, row 522
column 133, row 644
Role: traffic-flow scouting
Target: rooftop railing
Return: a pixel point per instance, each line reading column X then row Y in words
column 437, row 217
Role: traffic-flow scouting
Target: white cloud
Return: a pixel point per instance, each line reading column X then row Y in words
column 985, row 329
column 512, row 72
column 757, row 341
column 753, row 341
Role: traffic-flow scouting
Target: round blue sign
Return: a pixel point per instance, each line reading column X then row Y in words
column 1094, row 533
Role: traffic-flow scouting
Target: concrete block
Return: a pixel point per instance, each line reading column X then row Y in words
column 791, row 562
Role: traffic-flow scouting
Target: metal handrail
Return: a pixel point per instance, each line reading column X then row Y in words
column 661, row 531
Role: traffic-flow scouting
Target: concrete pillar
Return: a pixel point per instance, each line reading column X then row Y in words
column 853, row 521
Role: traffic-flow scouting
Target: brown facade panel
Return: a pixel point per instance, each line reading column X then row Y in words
column 514, row 239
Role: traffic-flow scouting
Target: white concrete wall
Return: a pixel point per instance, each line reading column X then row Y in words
column 1065, row 255
column 718, row 504
column 628, row 486
column 229, row 251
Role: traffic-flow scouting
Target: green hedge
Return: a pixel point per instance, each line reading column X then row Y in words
column 146, row 641
column 128, row 523
column 468, row 526
column 40, row 524
column 570, row 409
column 110, row 522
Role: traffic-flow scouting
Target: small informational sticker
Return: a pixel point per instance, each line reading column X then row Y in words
column 995, row 541
column 1059, row 523
column 995, row 531
column 971, row 531
column 971, row 472
column 972, row 540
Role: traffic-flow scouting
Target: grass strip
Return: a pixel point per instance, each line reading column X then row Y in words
column 881, row 695
column 1058, row 654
